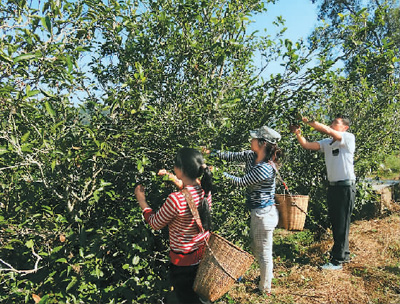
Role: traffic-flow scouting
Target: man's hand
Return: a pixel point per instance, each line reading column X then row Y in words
column 302, row 141
column 307, row 120
column 295, row 129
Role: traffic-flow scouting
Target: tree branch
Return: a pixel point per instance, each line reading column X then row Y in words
column 23, row 272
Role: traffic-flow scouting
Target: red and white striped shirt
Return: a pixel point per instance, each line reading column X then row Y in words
column 184, row 236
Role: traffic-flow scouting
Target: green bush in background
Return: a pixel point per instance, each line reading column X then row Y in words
column 153, row 77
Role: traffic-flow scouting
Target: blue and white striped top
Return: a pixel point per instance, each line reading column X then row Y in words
column 259, row 178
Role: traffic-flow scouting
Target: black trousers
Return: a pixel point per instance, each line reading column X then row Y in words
column 340, row 207
column 182, row 279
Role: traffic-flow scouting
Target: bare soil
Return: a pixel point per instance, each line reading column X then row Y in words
column 372, row 276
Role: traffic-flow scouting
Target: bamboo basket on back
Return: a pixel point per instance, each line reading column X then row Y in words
column 222, row 264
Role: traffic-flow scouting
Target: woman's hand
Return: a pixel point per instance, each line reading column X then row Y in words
column 204, row 150
column 171, row 177
column 139, row 192
column 308, row 120
column 162, row 172
column 141, row 197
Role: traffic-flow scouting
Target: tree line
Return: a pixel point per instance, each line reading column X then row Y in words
column 96, row 96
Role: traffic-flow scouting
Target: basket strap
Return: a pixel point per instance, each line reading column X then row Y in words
column 291, row 196
column 273, row 165
column 195, row 213
column 193, row 209
column 294, row 204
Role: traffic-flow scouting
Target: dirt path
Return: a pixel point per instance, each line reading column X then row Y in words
column 373, row 276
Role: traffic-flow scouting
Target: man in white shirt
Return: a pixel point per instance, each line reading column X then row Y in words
column 339, row 160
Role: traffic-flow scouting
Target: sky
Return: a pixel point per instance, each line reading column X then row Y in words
column 300, row 18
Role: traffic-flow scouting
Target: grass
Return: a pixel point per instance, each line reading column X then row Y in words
column 373, row 276
column 390, row 169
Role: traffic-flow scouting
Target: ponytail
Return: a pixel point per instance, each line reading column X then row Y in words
column 276, row 154
column 204, row 208
column 206, row 180
column 272, row 151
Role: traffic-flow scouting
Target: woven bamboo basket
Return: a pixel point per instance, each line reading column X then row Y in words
column 222, row 264
column 292, row 211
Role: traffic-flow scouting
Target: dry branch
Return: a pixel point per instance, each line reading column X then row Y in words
column 23, row 272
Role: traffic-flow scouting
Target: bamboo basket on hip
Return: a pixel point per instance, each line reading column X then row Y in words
column 292, row 208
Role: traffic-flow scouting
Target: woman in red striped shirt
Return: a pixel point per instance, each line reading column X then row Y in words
column 187, row 242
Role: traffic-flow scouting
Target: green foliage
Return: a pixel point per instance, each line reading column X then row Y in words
column 292, row 248
column 154, row 77
column 366, row 204
column 390, row 167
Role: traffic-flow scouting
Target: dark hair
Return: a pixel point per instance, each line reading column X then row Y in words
column 191, row 162
column 272, row 151
column 345, row 120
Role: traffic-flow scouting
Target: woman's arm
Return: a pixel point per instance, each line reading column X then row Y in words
column 256, row 175
column 233, row 156
column 141, row 197
column 172, row 178
column 160, row 219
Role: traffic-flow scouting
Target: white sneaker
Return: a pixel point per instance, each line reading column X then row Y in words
column 331, row 266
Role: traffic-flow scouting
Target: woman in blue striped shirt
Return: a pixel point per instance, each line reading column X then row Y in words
column 259, row 180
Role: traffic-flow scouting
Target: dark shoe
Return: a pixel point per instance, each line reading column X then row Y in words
column 348, row 260
column 204, row 301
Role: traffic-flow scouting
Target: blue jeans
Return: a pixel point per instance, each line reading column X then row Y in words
column 263, row 223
